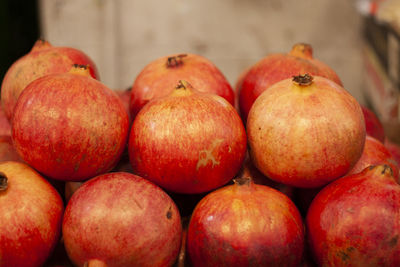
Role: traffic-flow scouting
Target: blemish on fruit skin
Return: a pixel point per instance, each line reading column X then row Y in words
column 169, row 214
column 393, row 241
column 206, row 155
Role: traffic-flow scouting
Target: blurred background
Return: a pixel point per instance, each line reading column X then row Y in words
column 122, row 36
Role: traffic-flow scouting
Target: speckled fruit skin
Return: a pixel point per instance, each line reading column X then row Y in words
column 188, row 141
column 375, row 153
column 43, row 59
column 159, row 77
column 120, row 219
column 394, row 150
column 7, row 150
column 276, row 67
column 373, row 125
column 305, row 135
column 245, row 224
column 70, row 126
column 355, row 220
column 31, row 213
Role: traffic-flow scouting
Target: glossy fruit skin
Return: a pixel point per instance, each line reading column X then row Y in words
column 70, row 126
column 305, row 135
column 276, row 67
column 373, row 125
column 355, row 220
column 121, row 219
column 394, row 150
column 187, row 142
column 42, row 60
column 245, row 225
column 159, row 77
column 31, row 213
column 375, row 153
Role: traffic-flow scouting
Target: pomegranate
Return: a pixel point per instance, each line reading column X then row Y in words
column 305, row 131
column 42, row 60
column 7, row 150
column 375, row 153
column 120, row 219
column 245, row 224
column 188, row 141
column 355, row 220
column 373, row 125
column 125, row 96
column 276, row 67
column 159, row 77
column 31, row 213
column 70, row 126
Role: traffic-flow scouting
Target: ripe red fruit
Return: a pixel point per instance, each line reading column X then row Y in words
column 31, row 213
column 160, row 76
column 120, row 219
column 5, row 126
column 373, row 125
column 70, row 126
column 305, row 132
column 355, row 220
column 245, row 224
column 188, row 141
column 375, row 153
column 276, row 67
column 42, row 60
column 394, row 150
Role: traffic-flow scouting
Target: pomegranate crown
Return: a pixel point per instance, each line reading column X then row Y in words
column 305, row 79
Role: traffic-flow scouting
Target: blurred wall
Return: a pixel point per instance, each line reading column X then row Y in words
column 123, row 36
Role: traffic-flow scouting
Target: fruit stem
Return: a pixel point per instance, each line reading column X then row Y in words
column 303, row 80
column 241, row 181
column 3, row 182
column 302, row 50
column 175, row 61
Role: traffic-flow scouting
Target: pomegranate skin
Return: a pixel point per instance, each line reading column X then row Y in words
column 160, row 76
column 245, row 224
column 31, row 213
column 120, row 219
column 375, row 153
column 276, row 67
column 187, row 142
column 43, row 59
column 305, row 135
column 355, row 220
column 70, row 126
column 7, row 150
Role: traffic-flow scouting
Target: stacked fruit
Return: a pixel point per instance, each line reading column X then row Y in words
column 168, row 173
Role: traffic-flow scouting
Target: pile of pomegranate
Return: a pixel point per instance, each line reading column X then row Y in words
column 285, row 169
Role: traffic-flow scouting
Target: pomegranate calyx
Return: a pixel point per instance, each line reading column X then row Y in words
column 175, row 61
column 302, row 50
column 40, row 44
column 240, row 181
column 83, row 70
column 183, row 85
column 303, row 80
column 3, row 182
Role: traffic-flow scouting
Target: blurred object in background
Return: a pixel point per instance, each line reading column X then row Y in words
column 124, row 36
column 381, row 55
column 19, row 27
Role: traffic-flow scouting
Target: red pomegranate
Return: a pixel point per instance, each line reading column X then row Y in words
column 42, row 60
column 245, row 224
column 188, row 141
column 125, row 96
column 305, row 131
column 120, row 219
column 276, row 67
column 70, row 126
column 31, row 213
column 373, row 125
column 375, row 153
column 159, row 77
column 355, row 220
